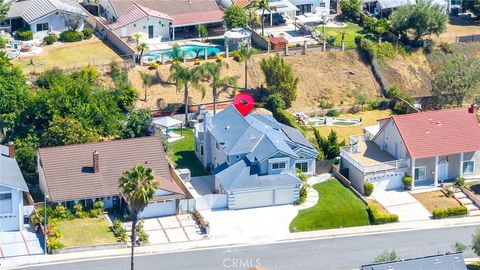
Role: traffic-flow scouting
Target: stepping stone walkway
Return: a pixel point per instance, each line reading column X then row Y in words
column 462, row 198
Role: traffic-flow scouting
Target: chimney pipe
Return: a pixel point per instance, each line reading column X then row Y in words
column 11, row 150
column 473, row 108
column 95, row 162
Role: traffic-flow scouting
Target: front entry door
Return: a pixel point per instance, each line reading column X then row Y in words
column 150, row 31
column 442, row 170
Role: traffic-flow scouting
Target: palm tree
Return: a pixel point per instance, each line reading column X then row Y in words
column 137, row 37
column 211, row 71
column 176, row 54
column 142, row 48
column 253, row 19
column 246, row 53
column 137, row 186
column 263, row 5
column 186, row 77
column 146, row 81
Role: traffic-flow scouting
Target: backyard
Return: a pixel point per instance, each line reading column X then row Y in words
column 337, row 207
column 351, row 31
column 182, row 153
column 435, row 200
column 85, row 232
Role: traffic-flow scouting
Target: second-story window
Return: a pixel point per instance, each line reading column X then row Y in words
column 278, row 165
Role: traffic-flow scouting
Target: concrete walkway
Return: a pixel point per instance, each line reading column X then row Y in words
column 403, row 204
column 312, row 194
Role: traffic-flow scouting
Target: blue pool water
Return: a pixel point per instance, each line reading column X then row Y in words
column 189, row 50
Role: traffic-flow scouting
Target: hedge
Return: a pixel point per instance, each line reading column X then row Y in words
column 71, row 36
column 285, row 117
column 87, row 33
column 378, row 218
column 24, row 34
column 450, row 212
column 50, row 39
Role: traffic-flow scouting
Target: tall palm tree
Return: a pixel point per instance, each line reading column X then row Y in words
column 263, row 5
column 253, row 19
column 137, row 37
column 246, row 53
column 211, row 71
column 186, row 77
column 142, row 48
column 137, row 186
column 146, row 81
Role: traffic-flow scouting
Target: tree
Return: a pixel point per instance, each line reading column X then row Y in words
column 64, row 131
column 457, row 81
column 139, row 124
column 376, row 26
column 142, row 48
column 212, row 72
column 476, row 242
column 176, row 54
column 280, row 78
column 330, row 146
column 4, row 7
column 202, row 31
column 351, row 9
column 253, row 19
column 263, row 5
column 137, row 187
column 246, row 54
column 235, row 16
column 414, row 21
column 137, row 37
column 146, row 82
column 186, row 77
column 386, row 256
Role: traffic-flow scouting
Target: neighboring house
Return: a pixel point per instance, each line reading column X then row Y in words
column 433, row 147
column 453, row 261
column 12, row 187
column 253, row 158
column 291, row 8
column 44, row 16
column 383, row 7
column 84, row 173
column 161, row 20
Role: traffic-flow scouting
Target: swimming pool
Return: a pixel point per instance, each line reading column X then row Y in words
column 191, row 51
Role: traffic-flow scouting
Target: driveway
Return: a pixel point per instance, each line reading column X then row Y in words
column 19, row 243
column 403, row 204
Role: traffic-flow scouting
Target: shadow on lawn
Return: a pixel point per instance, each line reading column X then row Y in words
column 187, row 159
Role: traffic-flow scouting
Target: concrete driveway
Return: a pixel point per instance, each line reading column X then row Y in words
column 19, row 243
column 403, row 204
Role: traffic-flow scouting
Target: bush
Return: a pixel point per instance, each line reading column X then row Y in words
column 154, row 66
column 142, row 236
column 71, row 36
column 275, row 101
column 50, row 39
column 303, row 176
column 303, row 195
column 237, row 56
column 196, row 62
column 446, row 47
column 368, row 188
column 24, row 34
column 219, row 59
column 428, row 46
column 461, row 181
column 119, row 231
column 97, row 209
column 450, row 212
column 379, row 218
column 87, row 33
column 407, row 182
column 61, row 212
column 2, row 43
column 332, row 113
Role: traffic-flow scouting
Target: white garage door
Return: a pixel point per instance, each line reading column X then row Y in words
column 253, row 199
column 387, row 182
column 283, row 196
column 159, row 209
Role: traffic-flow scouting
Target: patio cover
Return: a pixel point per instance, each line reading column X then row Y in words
column 167, row 121
column 280, row 6
column 389, row 4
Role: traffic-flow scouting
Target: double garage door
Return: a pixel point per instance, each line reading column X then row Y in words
column 263, row 198
column 159, row 209
column 387, row 182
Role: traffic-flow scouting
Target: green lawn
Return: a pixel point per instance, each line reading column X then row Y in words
column 351, row 31
column 184, row 155
column 85, row 232
column 337, row 207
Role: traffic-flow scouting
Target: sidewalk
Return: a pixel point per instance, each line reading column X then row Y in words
column 218, row 243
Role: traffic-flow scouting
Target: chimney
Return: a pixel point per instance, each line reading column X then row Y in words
column 95, row 162
column 473, row 108
column 11, row 150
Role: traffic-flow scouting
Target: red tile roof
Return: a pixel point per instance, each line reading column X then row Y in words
column 439, row 133
column 278, row 40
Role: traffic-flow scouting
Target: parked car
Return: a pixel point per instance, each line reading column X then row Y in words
column 277, row 19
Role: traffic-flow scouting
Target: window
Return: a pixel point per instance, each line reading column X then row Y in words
column 42, row 27
column 322, row 4
column 468, row 166
column 201, row 150
column 217, row 146
column 278, row 165
column 302, row 166
column 302, row 9
column 6, row 203
column 420, row 173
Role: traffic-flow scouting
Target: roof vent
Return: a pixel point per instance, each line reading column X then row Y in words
column 438, row 123
column 96, row 166
column 252, row 137
column 227, row 127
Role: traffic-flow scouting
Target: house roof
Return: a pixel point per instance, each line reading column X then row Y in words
column 69, row 174
column 439, row 133
column 10, row 174
column 437, row 262
column 32, row 10
column 241, row 3
column 136, row 13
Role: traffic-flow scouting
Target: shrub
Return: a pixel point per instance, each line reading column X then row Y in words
column 61, row 212
column 71, row 36
column 303, row 195
column 196, row 62
column 78, row 208
column 450, row 212
column 407, row 182
column 237, row 56
column 275, row 101
column 303, row 176
column 379, row 218
column 50, row 39
column 2, row 43
column 24, row 34
column 368, row 188
column 119, row 231
column 97, row 209
column 285, row 118
column 428, row 46
column 446, row 47
column 332, row 113
column 142, row 236
column 219, row 59
column 461, row 181
column 154, row 66
column 87, row 33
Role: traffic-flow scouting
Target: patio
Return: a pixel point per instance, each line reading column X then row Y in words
column 370, row 153
column 291, row 33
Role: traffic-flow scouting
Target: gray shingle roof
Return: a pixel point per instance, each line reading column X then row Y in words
column 136, row 13
column 10, row 174
column 32, row 10
column 437, row 262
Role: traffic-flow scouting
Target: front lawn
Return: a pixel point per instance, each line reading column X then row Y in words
column 337, row 207
column 85, row 232
column 351, row 31
column 435, row 200
column 183, row 154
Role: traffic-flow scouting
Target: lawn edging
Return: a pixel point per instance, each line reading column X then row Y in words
column 89, row 248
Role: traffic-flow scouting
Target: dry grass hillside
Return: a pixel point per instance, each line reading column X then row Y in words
column 336, row 77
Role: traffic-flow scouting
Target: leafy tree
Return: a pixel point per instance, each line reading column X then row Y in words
column 146, row 81
column 142, row 48
column 137, row 186
column 386, row 256
column 275, row 101
column 202, row 31
column 235, row 16
column 253, row 19
column 64, row 131
column 476, row 242
column 4, row 7
column 246, row 53
column 413, row 22
column 457, row 81
column 330, row 146
column 137, row 37
column 280, row 78
column 212, row 72
column 376, row 26
column 139, row 124
column 351, row 9
column 263, row 5
column 186, row 78
column 124, row 95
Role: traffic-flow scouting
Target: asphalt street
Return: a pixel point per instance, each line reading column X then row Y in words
column 334, row 253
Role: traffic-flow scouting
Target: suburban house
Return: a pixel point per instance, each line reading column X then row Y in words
column 449, row 261
column 382, row 8
column 291, row 8
column 44, row 16
column 85, row 173
column 161, row 20
column 433, row 147
column 253, row 158
column 12, row 187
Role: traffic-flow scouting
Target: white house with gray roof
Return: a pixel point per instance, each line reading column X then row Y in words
column 253, row 158
column 12, row 187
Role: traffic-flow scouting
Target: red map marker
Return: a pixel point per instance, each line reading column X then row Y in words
column 244, row 103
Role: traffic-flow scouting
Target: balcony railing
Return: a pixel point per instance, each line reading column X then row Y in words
column 346, row 153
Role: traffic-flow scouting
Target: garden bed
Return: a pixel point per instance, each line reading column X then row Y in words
column 474, row 187
column 436, row 200
column 85, row 232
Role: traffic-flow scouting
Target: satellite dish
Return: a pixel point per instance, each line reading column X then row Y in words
column 244, row 103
